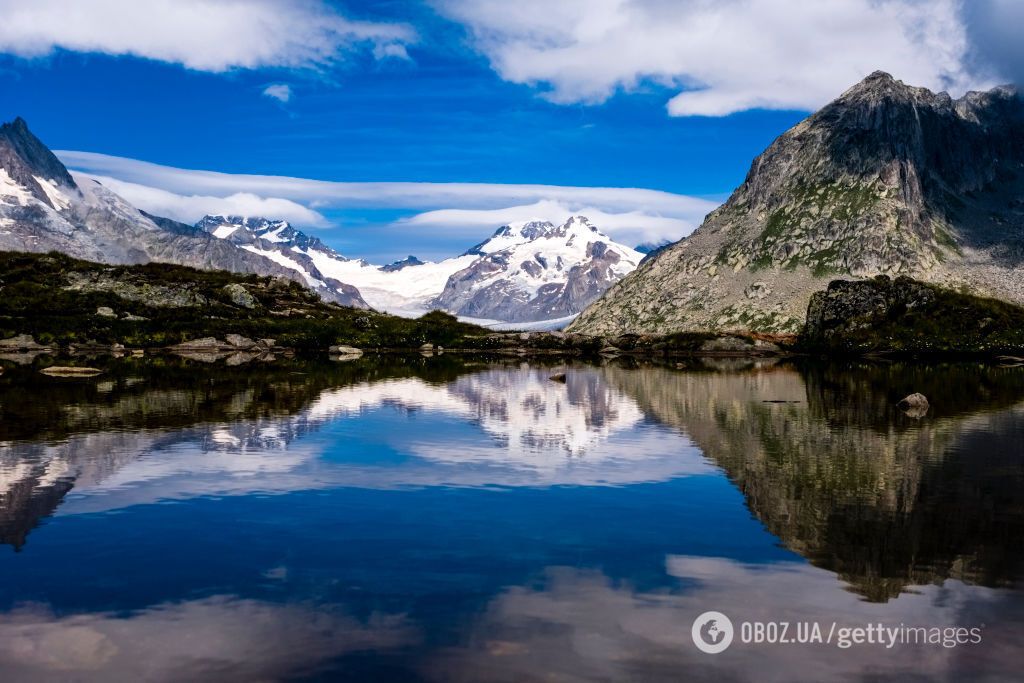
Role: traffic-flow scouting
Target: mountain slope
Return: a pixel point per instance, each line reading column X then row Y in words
column 537, row 271
column 887, row 179
column 43, row 208
column 525, row 272
column 279, row 242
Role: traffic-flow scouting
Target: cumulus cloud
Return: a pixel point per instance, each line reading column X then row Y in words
column 281, row 92
column 624, row 213
column 723, row 57
column 205, row 35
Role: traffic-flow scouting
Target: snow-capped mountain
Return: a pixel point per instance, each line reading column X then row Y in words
column 43, row 208
column 537, row 271
column 397, row 288
column 279, row 242
column 525, row 272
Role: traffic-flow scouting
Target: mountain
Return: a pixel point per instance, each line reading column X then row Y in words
column 537, row 271
column 887, row 179
column 279, row 242
column 409, row 260
column 43, row 208
column 524, row 272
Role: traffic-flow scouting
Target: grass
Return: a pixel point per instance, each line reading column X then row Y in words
column 35, row 299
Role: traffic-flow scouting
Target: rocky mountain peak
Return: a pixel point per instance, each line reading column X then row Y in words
column 886, row 179
column 247, row 229
column 35, row 156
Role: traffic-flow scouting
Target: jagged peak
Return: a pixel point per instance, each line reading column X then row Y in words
column 33, row 153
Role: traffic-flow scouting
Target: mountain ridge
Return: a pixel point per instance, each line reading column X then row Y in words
column 887, row 179
column 44, row 207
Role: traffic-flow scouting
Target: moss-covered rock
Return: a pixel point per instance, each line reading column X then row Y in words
column 904, row 315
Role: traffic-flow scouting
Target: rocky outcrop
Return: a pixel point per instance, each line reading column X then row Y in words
column 882, row 314
column 887, row 179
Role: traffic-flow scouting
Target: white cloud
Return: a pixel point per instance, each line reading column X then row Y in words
column 722, row 56
column 281, row 92
column 624, row 213
column 190, row 208
column 629, row 227
column 205, row 35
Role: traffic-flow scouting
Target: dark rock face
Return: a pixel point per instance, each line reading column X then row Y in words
column 24, row 156
column 882, row 314
column 408, row 261
column 887, row 179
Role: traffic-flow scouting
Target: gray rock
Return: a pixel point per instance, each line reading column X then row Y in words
column 343, row 350
column 915, row 405
column 558, row 377
column 240, row 296
column 106, row 312
column 22, row 342
column 203, row 344
column 239, row 341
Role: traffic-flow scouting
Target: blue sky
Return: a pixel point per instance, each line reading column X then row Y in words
column 609, row 93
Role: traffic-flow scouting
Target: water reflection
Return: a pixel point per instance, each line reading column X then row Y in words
column 482, row 522
column 832, row 467
column 222, row 638
column 581, row 625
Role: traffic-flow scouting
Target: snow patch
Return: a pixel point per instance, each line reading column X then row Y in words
column 281, row 259
column 58, row 199
column 225, row 231
column 9, row 189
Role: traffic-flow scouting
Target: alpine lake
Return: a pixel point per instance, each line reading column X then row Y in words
column 447, row 518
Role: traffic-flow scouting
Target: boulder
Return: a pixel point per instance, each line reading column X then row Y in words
column 915, row 405
column 240, row 296
column 558, row 377
column 239, row 341
column 204, row 344
column 106, row 312
column 342, row 350
column 22, row 342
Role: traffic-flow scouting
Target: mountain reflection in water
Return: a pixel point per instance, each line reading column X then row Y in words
column 571, row 528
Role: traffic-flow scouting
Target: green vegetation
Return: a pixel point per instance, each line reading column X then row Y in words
column 55, row 299
column 916, row 318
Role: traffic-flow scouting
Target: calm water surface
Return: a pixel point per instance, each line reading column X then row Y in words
column 430, row 519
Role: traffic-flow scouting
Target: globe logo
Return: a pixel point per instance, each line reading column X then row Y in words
column 712, row 632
